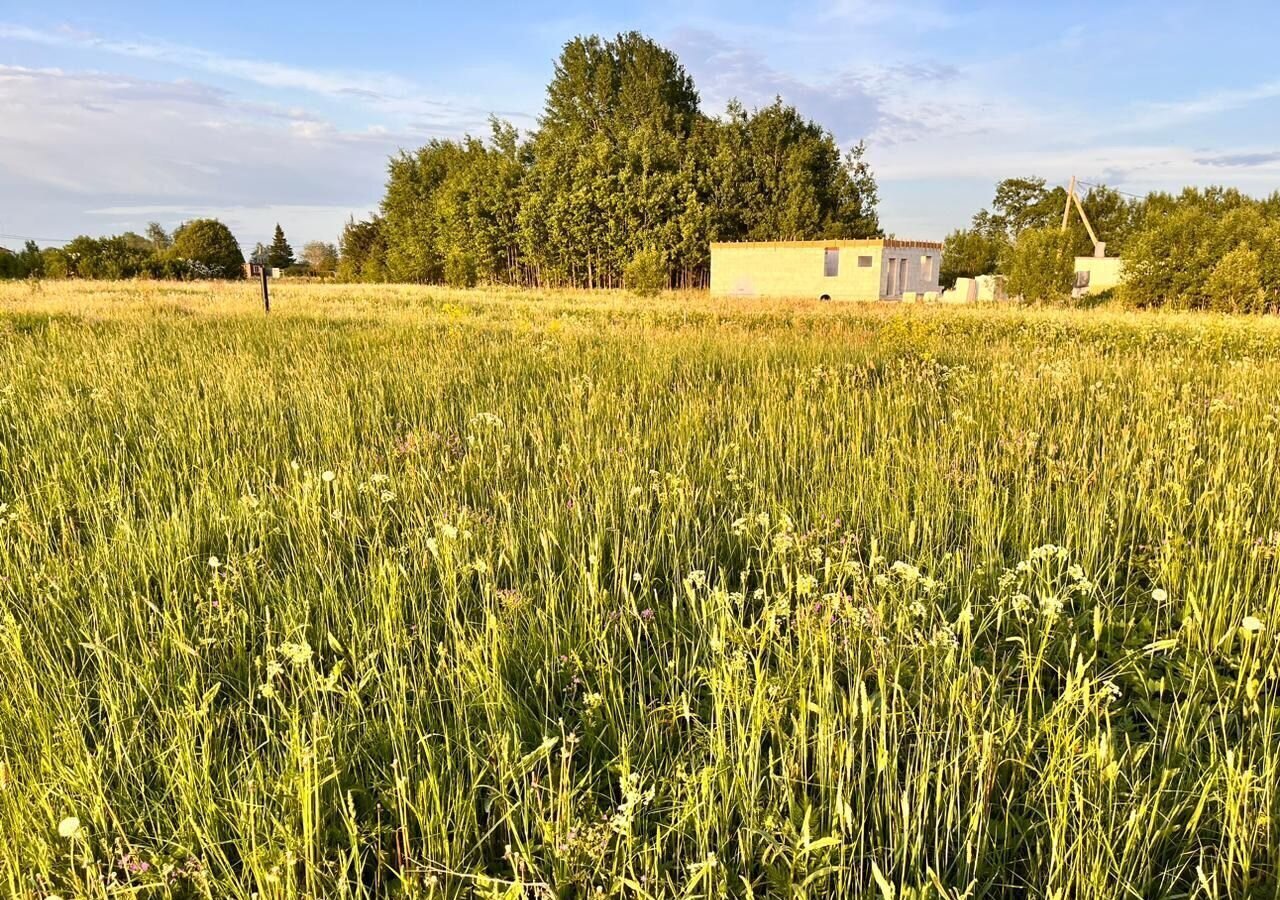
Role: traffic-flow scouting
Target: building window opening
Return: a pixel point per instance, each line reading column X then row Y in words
column 831, row 267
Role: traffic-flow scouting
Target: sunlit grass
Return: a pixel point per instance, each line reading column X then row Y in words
column 401, row 591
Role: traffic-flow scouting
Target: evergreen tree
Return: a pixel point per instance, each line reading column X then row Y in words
column 280, row 254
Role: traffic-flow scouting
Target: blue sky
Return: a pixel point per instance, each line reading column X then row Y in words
column 112, row 115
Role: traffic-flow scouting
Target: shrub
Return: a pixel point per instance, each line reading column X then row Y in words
column 210, row 247
column 1235, row 283
column 55, row 263
column 1203, row 251
column 646, row 274
column 1041, row 265
column 460, row 270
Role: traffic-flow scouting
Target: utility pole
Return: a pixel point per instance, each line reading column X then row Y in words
column 1099, row 249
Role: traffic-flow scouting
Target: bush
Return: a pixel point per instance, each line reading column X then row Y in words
column 1041, row 265
column 646, row 274
column 55, row 263
column 209, row 247
column 460, row 270
column 1235, row 284
column 1205, row 250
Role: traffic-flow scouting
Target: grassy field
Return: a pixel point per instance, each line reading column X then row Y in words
column 422, row 593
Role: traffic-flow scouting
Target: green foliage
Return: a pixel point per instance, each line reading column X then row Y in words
column 55, row 263
column 401, row 593
column 279, row 254
column 362, row 252
column 27, row 263
column 1235, row 284
column 209, row 249
column 1025, row 203
column 1214, row 248
column 1021, row 204
column 624, row 161
column 646, row 274
column 159, row 239
column 1040, row 265
column 1202, row 250
column 460, row 270
column 119, row 256
column 967, row 253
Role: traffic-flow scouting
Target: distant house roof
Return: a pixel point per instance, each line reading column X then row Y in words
column 891, row 243
column 7, row 252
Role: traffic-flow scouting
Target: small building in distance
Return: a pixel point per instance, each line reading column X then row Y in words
column 254, row 270
column 860, row 270
column 1098, row 273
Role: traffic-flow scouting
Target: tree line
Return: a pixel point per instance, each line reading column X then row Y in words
column 624, row 172
column 201, row 248
column 625, row 181
column 1203, row 248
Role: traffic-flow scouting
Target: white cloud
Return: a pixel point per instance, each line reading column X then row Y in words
column 1178, row 112
column 73, row 144
column 387, row 94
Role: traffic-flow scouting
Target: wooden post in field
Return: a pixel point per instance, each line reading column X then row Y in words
column 266, row 294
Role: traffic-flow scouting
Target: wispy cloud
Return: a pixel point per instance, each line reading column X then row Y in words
column 388, row 94
column 1241, row 160
column 887, row 104
column 1163, row 114
column 74, row 144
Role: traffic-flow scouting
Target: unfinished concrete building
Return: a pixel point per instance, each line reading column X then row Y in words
column 859, row 270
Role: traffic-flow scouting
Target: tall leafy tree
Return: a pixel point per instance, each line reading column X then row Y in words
column 607, row 158
column 362, row 251
column 160, row 239
column 624, row 166
column 967, row 253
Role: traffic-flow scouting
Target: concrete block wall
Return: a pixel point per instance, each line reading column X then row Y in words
column 1104, row 272
column 798, row 269
column 923, row 262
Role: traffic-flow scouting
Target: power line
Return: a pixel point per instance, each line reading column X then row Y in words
column 28, row 237
column 1106, row 187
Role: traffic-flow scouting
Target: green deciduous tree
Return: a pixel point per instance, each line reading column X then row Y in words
column 362, row 252
column 210, row 247
column 624, row 161
column 1040, row 265
column 1193, row 251
column 967, row 253
column 160, row 239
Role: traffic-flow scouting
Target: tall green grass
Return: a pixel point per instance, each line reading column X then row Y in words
column 401, row 592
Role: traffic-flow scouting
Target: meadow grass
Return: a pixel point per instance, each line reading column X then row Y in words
column 409, row 592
